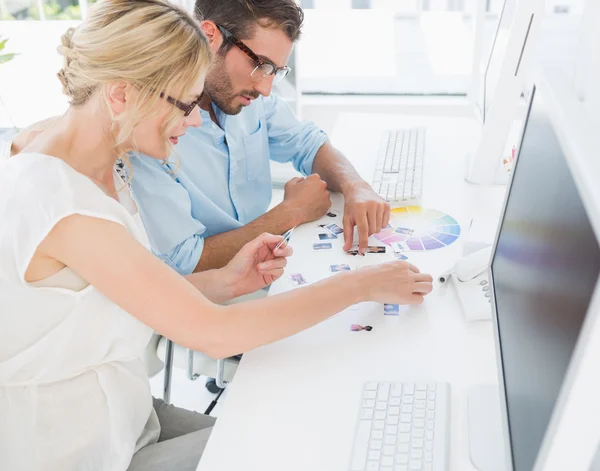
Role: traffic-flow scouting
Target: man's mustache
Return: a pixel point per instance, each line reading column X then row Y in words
column 251, row 94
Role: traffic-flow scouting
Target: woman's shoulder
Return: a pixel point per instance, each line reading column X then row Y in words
column 37, row 181
column 36, row 170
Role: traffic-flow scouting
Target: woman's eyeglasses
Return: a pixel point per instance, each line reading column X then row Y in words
column 263, row 68
column 187, row 108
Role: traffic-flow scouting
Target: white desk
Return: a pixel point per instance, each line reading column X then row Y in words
column 293, row 404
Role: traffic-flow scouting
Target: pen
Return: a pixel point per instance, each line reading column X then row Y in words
column 286, row 237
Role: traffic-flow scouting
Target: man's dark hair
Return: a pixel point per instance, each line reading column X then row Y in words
column 241, row 17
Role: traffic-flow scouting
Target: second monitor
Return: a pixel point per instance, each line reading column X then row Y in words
column 544, row 271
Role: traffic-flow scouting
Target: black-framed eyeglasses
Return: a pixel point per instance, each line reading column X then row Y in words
column 187, row 108
column 263, row 67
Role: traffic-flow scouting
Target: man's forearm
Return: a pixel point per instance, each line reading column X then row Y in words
column 335, row 169
column 221, row 248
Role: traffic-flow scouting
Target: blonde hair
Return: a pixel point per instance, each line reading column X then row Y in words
column 151, row 44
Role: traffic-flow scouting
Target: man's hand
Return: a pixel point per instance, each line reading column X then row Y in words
column 307, row 198
column 255, row 265
column 368, row 211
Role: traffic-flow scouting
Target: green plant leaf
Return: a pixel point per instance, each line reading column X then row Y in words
column 6, row 57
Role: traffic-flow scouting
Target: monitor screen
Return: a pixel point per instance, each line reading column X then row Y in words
column 544, row 271
column 496, row 56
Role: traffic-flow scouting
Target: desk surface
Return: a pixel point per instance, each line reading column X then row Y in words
column 293, row 404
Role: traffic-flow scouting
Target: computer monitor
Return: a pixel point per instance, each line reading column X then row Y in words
column 493, row 64
column 544, row 270
column 503, row 79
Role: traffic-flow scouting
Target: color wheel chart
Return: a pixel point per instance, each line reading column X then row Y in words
column 419, row 229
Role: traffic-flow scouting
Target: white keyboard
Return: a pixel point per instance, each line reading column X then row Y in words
column 398, row 174
column 403, row 427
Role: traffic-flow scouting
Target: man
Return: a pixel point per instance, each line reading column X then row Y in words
column 211, row 197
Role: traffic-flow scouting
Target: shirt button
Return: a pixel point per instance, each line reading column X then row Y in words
column 214, row 126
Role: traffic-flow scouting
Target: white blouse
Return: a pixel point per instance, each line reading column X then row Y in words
column 73, row 388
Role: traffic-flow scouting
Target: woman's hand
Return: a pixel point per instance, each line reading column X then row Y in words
column 255, row 265
column 396, row 282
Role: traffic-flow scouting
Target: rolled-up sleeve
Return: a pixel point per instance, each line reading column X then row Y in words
column 165, row 208
column 291, row 140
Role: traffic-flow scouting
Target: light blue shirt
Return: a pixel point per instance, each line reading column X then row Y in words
column 219, row 178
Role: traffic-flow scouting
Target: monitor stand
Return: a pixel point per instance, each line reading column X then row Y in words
column 500, row 176
column 486, row 440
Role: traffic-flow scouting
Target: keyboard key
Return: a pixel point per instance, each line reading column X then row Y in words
column 421, row 387
column 394, row 411
column 377, row 435
column 403, row 448
column 401, row 467
column 371, row 386
column 402, row 458
column 389, row 450
column 373, row 466
column 366, row 414
column 377, row 444
column 420, row 395
column 374, row 455
column 431, row 396
column 431, row 414
column 429, row 435
column 408, row 399
column 409, row 389
column 420, row 404
column 404, row 428
column 417, row 443
column 380, row 415
column 397, row 390
column 406, row 418
column 428, row 467
column 392, row 420
column 415, row 465
column 395, row 401
column 430, row 405
column 391, row 430
column 386, row 468
column 416, row 454
column 383, row 392
column 419, row 423
column 368, row 403
column 407, row 409
column 430, row 424
column 387, row 461
column 420, row 414
column 381, row 405
column 390, row 439
column 403, row 437
column 370, row 394
column 429, row 446
column 361, row 446
column 428, row 457
column 418, row 433
column 378, row 425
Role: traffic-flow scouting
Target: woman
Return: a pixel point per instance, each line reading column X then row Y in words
column 80, row 293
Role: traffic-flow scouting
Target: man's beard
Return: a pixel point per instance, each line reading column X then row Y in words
column 219, row 88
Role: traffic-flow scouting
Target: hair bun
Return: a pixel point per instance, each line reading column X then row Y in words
column 62, row 76
column 67, row 38
column 66, row 49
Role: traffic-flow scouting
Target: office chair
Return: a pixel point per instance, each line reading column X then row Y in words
column 195, row 363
